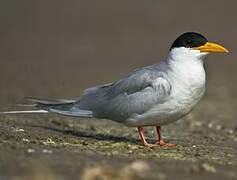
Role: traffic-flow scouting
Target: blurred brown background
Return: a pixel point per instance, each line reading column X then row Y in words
column 58, row 48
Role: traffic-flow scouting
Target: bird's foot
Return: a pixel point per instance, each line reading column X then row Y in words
column 150, row 145
column 162, row 143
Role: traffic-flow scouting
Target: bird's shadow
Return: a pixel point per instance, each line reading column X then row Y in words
column 93, row 135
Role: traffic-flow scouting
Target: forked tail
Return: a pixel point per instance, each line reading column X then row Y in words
column 24, row 112
column 59, row 106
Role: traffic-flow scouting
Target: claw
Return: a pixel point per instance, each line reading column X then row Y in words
column 150, row 145
column 162, row 143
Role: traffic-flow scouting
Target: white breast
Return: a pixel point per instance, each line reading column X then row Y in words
column 187, row 77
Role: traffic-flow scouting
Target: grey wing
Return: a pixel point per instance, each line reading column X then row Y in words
column 133, row 95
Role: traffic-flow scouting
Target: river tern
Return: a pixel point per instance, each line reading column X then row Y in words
column 155, row 95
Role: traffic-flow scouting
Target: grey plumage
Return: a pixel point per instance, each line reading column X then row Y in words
column 165, row 91
column 119, row 100
column 136, row 94
column 154, row 95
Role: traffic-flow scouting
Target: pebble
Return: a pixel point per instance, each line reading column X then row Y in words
column 25, row 140
column 135, row 169
column 210, row 125
column 139, row 166
column 197, row 124
column 20, row 130
column 219, row 127
column 49, row 141
column 230, row 131
column 208, row 168
column 47, row 151
column 30, row 150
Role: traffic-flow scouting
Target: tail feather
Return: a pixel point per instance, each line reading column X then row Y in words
column 24, row 112
column 51, row 102
column 25, row 105
column 78, row 113
column 59, row 106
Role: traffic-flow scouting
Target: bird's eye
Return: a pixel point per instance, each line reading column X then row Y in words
column 189, row 41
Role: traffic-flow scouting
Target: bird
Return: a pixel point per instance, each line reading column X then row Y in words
column 154, row 95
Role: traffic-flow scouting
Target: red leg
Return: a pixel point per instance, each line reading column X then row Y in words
column 142, row 137
column 160, row 140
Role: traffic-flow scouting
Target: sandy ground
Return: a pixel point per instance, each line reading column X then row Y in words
column 54, row 147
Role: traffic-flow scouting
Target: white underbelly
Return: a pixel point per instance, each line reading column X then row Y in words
column 168, row 112
column 188, row 87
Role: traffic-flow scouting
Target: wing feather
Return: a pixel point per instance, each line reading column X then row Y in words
column 135, row 94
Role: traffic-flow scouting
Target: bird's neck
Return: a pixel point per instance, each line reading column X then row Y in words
column 187, row 67
column 183, row 59
column 186, row 56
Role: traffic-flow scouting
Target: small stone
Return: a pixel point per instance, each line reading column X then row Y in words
column 210, row 125
column 140, row 166
column 47, row 151
column 230, row 131
column 219, row 127
column 197, row 124
column 208, row 168
column 30, row 150
column 136, row 170
column 19, row 130
column 98, row 173
column 49, row 141
column 25, row 140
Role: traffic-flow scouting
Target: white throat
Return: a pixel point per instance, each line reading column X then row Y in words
column 186, row 68
column 183, row 54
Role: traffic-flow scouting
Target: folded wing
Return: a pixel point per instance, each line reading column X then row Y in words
column 135, row 94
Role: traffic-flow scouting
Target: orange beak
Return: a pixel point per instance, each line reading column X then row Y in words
column 212, row 47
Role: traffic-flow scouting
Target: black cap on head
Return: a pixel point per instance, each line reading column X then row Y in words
column 189, row 40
